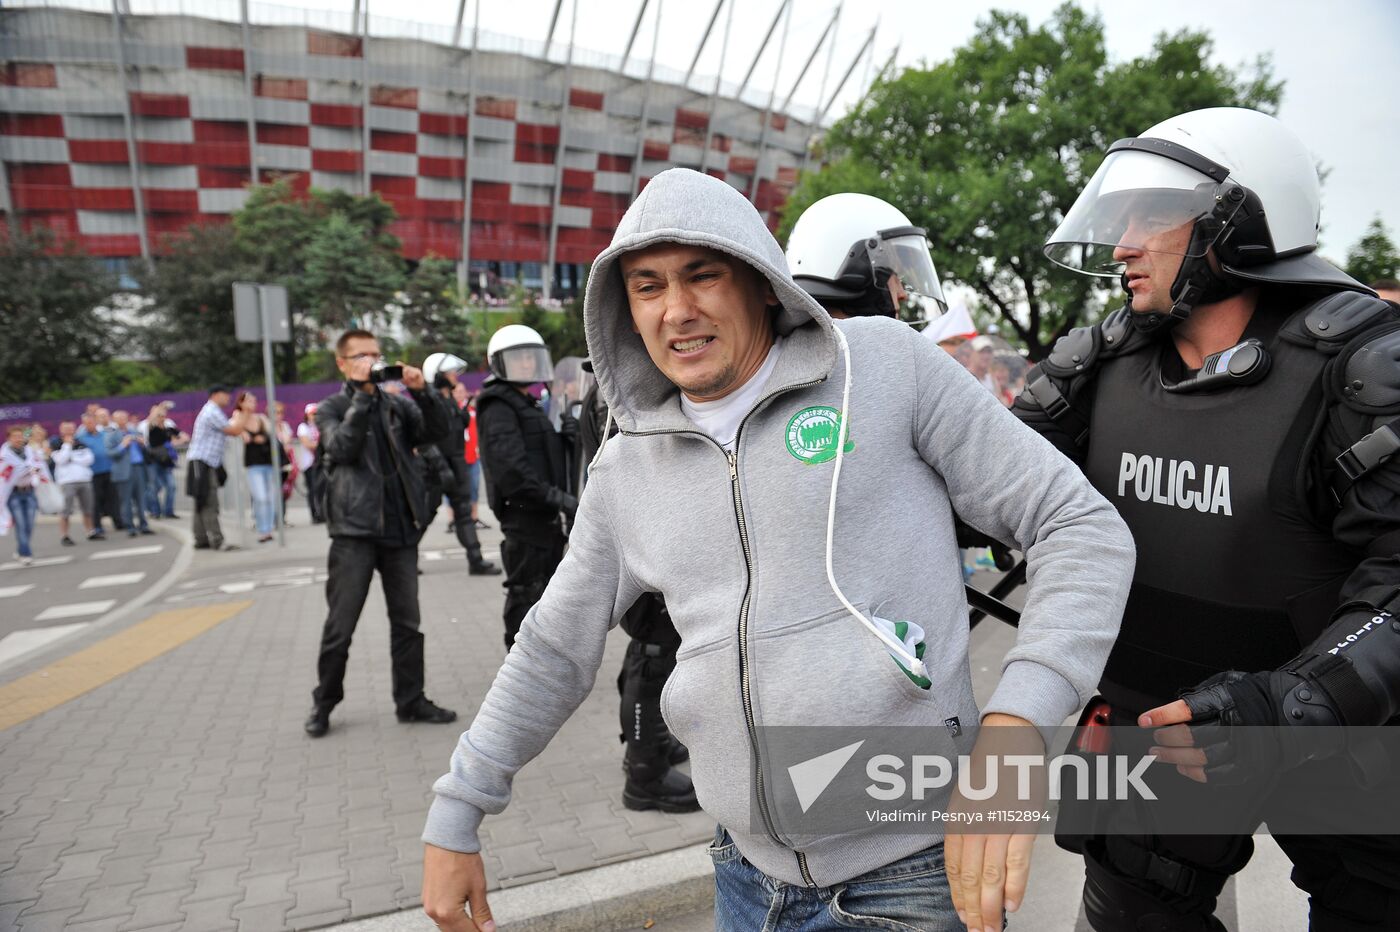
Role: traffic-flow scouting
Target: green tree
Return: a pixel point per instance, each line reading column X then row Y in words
column 189, row 327
column 1374, row 256
column 347, row 281
column 280, row 229
column 432, row 315
column 989, row 150
column 50, row 300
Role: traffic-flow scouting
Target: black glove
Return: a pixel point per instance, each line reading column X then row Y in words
column 563, row 501
column 1250, row 725
column 568, row 427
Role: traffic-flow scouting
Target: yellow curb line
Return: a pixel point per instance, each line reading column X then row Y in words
column 91, row 667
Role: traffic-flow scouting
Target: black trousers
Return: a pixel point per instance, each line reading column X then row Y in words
column 104, row 497
column 314, row 483
column 353, row 561
column 529, row 565
column 1139, row 875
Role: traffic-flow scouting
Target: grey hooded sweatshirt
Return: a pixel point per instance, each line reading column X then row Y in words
column 736, row 544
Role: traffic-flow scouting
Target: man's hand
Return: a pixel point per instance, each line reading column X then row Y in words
column 453, row 885
column 987, row 871
column 413, row 378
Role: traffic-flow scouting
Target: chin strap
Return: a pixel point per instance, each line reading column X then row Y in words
column 1196, row 281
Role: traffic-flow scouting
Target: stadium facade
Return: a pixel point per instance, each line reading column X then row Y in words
column 117, row 130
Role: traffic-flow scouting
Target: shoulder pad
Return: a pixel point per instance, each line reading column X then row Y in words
column 1330, row 322
column 1369, row 373
column 1080, row 350
column 1074, row 352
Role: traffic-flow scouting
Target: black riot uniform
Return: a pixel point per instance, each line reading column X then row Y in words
column 1264, row 515
column 454, row 486
column 527, row 486
column 652, row 781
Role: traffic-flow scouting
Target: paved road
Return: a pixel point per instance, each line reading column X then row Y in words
column 157, row 777
column 68, row 589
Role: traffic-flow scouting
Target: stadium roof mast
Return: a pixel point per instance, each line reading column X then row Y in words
column 646, row 99
column 363, row 29
column 768, row 110
column 840, row 85
column 133, row 160
column 714, row 95
column 704, row 38
column 559, row 155
column 469, row 123
column 632, row 39
column 248, row 97
column 811, row 58
column 554, row 21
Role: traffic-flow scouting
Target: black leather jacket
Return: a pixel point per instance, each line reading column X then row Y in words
column 354, row 486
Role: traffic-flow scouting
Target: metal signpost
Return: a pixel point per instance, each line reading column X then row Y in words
column 261, row 315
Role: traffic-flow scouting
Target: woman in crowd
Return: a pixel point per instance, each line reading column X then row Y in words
column 20, row 465
column 257, row 462
column 308, row 441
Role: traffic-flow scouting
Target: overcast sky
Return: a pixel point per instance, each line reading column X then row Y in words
column 1340, row 61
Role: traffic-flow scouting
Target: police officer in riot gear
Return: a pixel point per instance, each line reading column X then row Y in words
column 527, row 480
column 859, row 256
column 441, row 371
column 653, row 782
column 1242, row 399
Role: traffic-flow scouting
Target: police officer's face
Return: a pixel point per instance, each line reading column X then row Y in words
column 1151, row 267
column 703, row 315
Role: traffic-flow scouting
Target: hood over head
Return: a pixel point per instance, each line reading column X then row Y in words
column 687, row 207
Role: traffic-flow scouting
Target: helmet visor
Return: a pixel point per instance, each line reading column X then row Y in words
column 1136, row 201
column 904, row 253
column 524, row 365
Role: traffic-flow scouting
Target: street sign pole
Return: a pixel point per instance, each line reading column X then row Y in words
column 261, row 315
column 272, row 415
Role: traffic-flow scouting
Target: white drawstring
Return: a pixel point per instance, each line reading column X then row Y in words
column 912, row 663
column 607, row 429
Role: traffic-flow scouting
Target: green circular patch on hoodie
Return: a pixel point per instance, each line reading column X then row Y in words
column 812, row 432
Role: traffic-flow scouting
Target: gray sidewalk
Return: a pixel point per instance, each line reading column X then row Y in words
column 184, row 794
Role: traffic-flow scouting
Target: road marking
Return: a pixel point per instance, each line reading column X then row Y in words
column 38, row 561
column 235, row 588
column 126, row 552
column 7, row 592
column 19, row 643
column 74, row 610
column 119, row 579
column 84, row 671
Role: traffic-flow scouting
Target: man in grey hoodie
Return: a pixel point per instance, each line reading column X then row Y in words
column 755, row 433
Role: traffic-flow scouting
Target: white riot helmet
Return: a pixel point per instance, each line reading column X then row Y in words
column 1244, row 183
column 844, row 248
column 517, row 354
column 438, row 366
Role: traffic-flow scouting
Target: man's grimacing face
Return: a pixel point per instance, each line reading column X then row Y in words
column 703, row 315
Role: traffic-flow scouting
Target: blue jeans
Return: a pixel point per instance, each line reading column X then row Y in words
column 165, row 480
column 910, row 895
column 132, row 495
column 24, row 507
column 473, row 479
column 263, row 489
column 155, row 484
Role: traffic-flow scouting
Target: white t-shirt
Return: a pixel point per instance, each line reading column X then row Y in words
column 721, row 418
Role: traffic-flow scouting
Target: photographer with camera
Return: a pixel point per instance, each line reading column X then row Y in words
column 205, row 472
column 376, row 509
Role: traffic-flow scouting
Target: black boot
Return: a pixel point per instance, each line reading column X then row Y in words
column 655, row 784
column 476, row 565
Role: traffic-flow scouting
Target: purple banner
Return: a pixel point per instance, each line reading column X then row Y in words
column 48, row 414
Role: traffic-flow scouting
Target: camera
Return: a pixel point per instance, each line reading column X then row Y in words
column 381, row 372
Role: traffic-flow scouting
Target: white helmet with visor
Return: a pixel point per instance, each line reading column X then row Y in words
column 1235, row 182
column 517, row 354
column 844, row 248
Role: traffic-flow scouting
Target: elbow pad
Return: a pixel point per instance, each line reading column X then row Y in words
column 1353, row 668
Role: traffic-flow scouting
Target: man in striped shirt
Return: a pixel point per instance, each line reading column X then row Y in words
column 206, row 458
